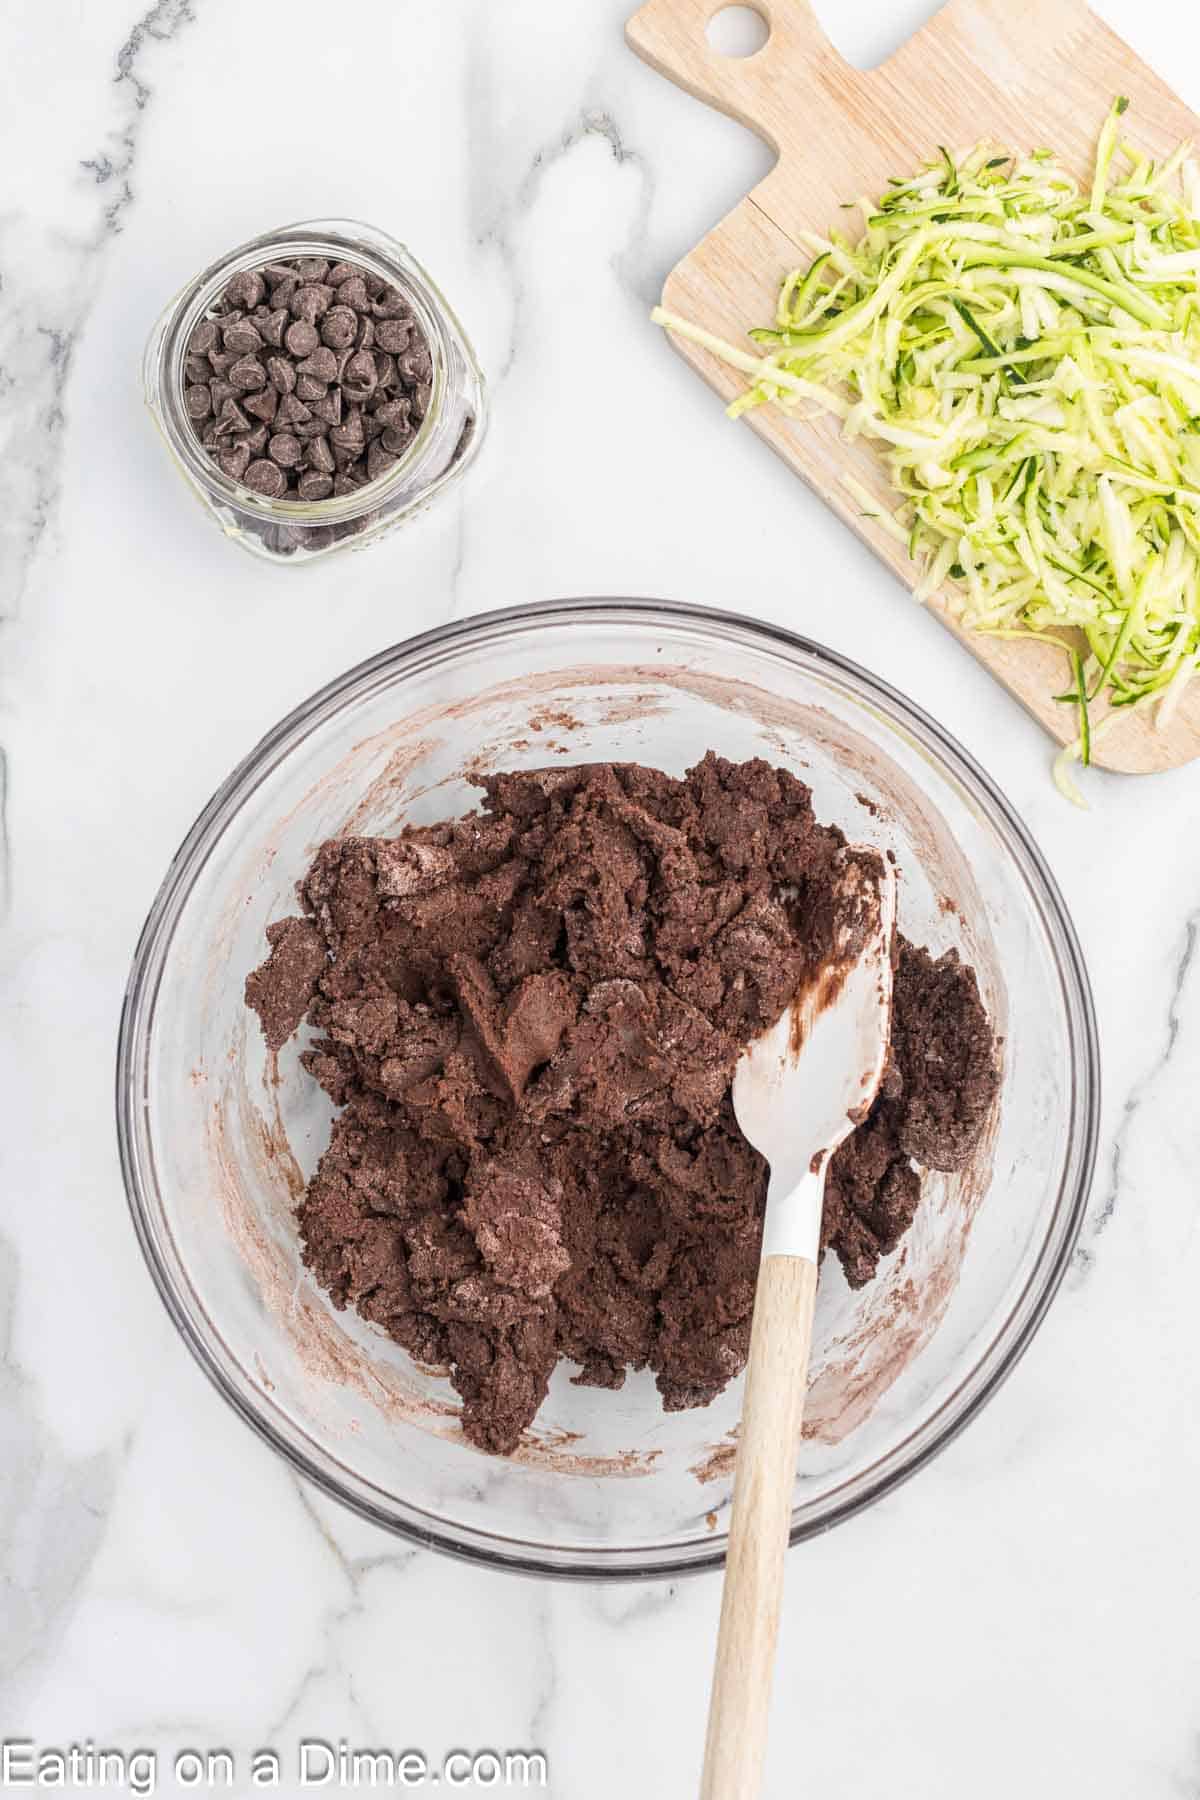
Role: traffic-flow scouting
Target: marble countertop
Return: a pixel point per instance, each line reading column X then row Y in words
column 1020, row 1618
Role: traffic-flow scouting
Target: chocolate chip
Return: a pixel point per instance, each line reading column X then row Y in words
column 244, row 338
column 312, row 268
column 274, row 326
column 198, row 401
column 232, row 418
column 221, row 391
column 329, row 407
column 359, row 378
column 309, row 388
column 379, row 459
column 322, row 364
column 310, row 428
column 301, row 338
column 416, row 367
column 320, row 457
column 311, row 302
column 282, row 373
column 339, row 327
column 284, row 449
column 391, row 304
column 292, row 411
column 265, row 478
column 374, row 285
column 235, row 462
column 366, row 333
column 262, row 405
column 344, row 484
column 393, row 334
column 283, row 284
column 247, row 374
column 397, row 439
column 197, row 368
column 353, row 293
column 313, row 486
column 255, row 441
column 246, row 289
column 393, row 413
column 205, row 338
column 342, row 271
column 385, row 369
column 221, row 361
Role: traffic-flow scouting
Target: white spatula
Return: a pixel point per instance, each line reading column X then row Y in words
column 798, row 1091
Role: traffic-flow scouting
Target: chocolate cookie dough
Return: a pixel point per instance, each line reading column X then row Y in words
column 529, row 1019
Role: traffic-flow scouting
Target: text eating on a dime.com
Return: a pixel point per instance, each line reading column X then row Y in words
column 311, row 1764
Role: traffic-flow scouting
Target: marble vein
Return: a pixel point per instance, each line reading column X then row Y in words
column 457, row 602
column 49, row 298
column 1143, row 1089
column 621, row 1606
column 542, row 1716
column 46, row 294
column 329, row 1663
column 54, row 1511
column 496, row 214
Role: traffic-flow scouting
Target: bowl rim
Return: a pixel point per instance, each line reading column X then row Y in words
column 1027, row 1310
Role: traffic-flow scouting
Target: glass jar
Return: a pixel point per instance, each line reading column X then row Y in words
column 291, row 530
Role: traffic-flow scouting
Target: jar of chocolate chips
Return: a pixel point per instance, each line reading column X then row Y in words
column 314, row 388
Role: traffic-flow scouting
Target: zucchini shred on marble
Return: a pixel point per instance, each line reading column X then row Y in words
column 1027, row 356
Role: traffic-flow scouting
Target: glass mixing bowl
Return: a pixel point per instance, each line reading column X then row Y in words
column 215, row 1152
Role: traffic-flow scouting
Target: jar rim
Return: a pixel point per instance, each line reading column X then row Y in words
column 306, row 237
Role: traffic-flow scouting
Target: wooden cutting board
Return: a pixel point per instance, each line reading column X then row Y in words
column 1024, row 72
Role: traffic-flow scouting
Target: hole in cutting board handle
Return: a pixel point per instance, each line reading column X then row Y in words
column 866, row 33
column 738, row 31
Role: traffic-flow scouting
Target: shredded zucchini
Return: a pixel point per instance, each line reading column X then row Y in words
column 1027, row 357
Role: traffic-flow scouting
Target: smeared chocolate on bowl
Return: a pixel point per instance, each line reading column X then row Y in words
column 529, row 1020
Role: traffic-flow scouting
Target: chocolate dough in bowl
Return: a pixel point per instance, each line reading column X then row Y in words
column 220, row 1136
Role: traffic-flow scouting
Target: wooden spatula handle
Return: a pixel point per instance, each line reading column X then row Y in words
column 772, row 1413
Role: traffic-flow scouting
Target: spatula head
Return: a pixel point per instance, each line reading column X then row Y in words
column 802, row 1087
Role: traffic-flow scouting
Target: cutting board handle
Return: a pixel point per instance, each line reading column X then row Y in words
column 798, row 86
column 796, row 67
